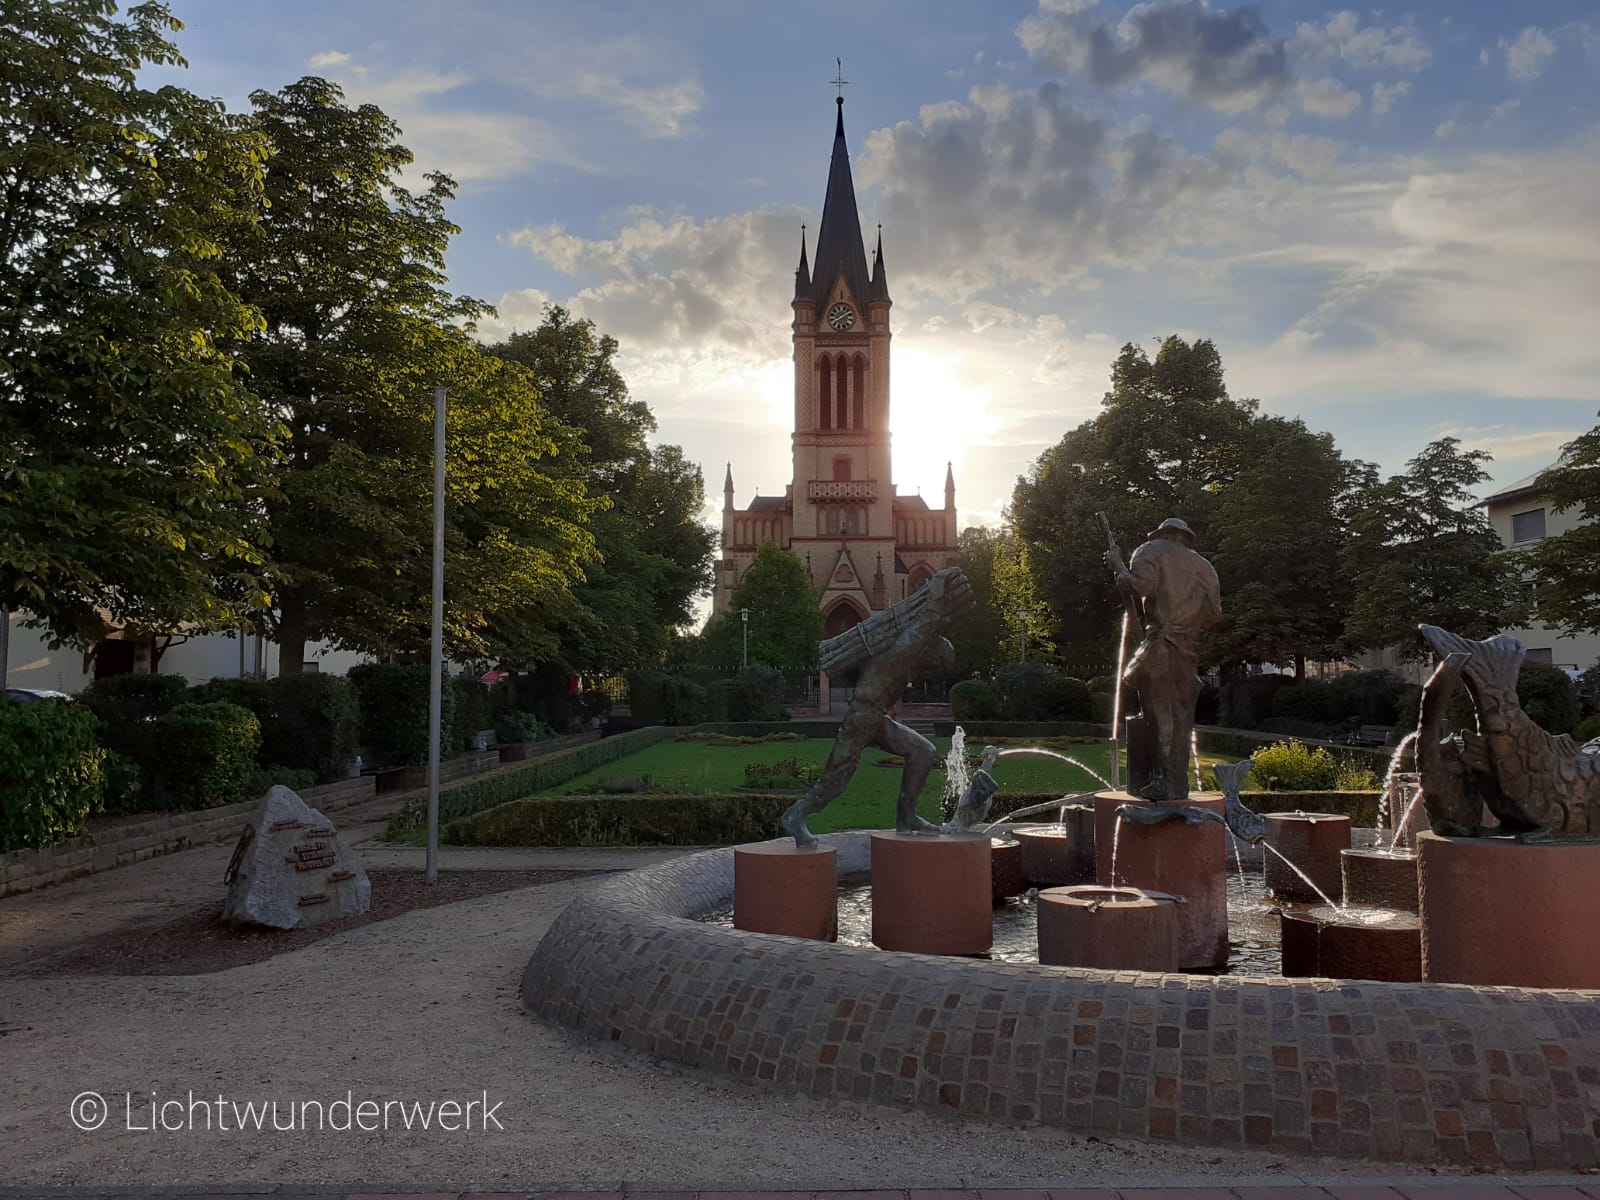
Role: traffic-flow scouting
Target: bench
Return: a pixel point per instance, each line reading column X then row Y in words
column 1372, row 735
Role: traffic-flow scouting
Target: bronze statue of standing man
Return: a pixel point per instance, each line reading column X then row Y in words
column 1180, row 598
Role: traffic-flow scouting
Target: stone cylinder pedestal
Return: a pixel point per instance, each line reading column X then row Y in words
column 778, row 888
column 1060, row 855
column 1380, row 879
column 1177, row 858
column 1312, row 842
column 1496, row 911
column 932, row 893
column 1357, row 943
column 1005, row 869
column 1111, row 929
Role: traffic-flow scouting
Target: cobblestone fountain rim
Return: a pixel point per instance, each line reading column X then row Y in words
column 1494, row 1077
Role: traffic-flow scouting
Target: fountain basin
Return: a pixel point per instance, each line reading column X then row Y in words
column 1352, row 943
column 1176, row 858
column 780, row 888
column 1059, row 855
column 1109, row 928
column 954, row 917
column 1312, row 842
column 1379, row 879
column 1005, row 869
column 1500, row 911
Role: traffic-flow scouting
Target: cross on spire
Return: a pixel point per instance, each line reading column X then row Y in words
column 839, row 81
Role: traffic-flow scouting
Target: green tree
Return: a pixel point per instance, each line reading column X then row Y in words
column 1278, row 526
column 1566, row 567
column 653, row 551
column 131, row 454
column 347, row 267
column 1421, row 550
column 1167, row 438
column 785, row 623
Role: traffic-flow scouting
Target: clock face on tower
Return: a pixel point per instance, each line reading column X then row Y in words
column 841, row 317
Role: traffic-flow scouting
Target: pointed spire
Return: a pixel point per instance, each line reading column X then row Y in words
column 727, row 490
column 949, row 485
column 839, row 245
column 880, row 274
column 802, row 274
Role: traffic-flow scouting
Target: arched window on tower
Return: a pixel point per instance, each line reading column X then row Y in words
column 833, row 521
column 842, row 393
column 824, row 393
column 858, row 395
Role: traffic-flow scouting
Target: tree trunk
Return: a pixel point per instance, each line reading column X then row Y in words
column 291, row 637
column 1299, row 668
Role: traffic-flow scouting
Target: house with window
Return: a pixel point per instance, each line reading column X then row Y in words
column 1522, row 518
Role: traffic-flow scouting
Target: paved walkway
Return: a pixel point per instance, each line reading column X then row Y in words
column 1368, row 1191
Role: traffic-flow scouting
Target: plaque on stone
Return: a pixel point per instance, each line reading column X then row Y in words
column 290, row 869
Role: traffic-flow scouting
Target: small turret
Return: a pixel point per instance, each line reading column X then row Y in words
column 879, row 291
column 802, row 274
column 727, row 490
column 949, row 485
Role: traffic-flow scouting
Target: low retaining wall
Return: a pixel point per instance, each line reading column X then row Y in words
column 118, row 845
column 1493, row 1077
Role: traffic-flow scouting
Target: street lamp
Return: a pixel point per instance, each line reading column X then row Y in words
column 744, row 620
column 1022, row 615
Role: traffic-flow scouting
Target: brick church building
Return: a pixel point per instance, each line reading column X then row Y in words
column 865, row 546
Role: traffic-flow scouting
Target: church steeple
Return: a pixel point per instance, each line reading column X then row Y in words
column 727, row 490
column 880, row 274
column 839, row 245
column 802, row 273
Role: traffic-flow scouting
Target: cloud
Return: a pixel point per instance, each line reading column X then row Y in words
column 1385, row 94
column 1343, row 38
column 328, row 58
column 1223, row 59
column 1527, row 54
column 672, row 282
column 658, row 112
column 1328, row 98
column 1022, row 185
column 1510, row 442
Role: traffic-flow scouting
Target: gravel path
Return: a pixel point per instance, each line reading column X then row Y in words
column 425, row 1007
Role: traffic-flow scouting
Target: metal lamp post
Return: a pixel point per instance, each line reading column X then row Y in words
column 744, row 654
column 436, row 644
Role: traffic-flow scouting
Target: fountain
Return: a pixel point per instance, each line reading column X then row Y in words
column 1356, row 1069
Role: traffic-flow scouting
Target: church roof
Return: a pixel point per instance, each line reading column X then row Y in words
column 839, row 244
column 767, row 504
column 916, row 502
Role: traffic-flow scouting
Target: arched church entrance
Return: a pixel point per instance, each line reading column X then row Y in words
column 843, row 615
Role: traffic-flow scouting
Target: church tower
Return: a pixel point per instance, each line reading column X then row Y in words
column 865, row 546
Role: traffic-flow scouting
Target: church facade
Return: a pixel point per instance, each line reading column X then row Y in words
column 864, row 545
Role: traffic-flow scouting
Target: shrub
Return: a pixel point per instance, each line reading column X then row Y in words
column 1244, row 703
column 664, row 699
column 974, row 700
column 309, row 723
column 1102, row 685
column 1072, row 699
column 394, row 711
column 125, row 706
column 1294, row 767
column 1549, row 697
column 785, row 773
column 533, row 775
column 518, row 725
column 124, row 784
column 622, row 820
column 1587, row 730
column 1035, row 691
column 52, row 771
column 204, row 755
column 470, row 715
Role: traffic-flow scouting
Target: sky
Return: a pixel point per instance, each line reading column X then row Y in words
column 1388, row 219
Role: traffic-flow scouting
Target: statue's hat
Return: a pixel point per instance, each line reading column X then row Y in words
column 1173, row 525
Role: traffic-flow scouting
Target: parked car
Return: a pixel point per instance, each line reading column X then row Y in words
column 35, row 694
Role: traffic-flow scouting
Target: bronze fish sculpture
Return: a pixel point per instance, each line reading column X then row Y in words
column 1247, row 825
column 1535, row 783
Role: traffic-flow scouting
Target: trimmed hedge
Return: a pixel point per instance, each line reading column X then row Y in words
column 811, row 729
column 531, row 775
column 309, row 723
column 394, row 711
column 1241, row 743
column 974, row 700
column 127, row 704
column 203, row 755
column 51, row 771
column 1022, row 729
column 1360, row 807
column 639, row 819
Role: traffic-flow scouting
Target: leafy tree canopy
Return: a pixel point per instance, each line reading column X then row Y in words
column 132, row 457
column 1421, row 550
column 785, row 623
column 1566, row 567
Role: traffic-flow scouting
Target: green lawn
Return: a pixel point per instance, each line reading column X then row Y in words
column 868, row 803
